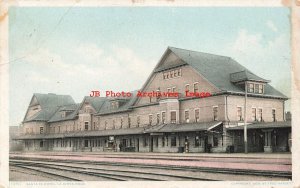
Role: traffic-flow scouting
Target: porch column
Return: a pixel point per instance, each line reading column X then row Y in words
column 268, row 141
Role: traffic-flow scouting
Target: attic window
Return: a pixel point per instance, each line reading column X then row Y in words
column 63, row 114
column 114, row 104
column 172, row 74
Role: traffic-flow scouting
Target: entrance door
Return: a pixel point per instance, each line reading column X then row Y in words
column 151, row 144
column 137, row 145
column 206, row 144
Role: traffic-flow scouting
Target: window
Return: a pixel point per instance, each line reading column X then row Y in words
column 186, row 116
column 172, row 74
column 121, row 122
column 179, row 72
column 86, row 143
column 163, row 141
column 256, row 86
column 215, row 140
column 260, row 88
column 86, row 125
column 150, row 119
column 169, row 90
column 239, row 114
column 94, row 125
column 138, row 120
column 41, row 130
column 197, row 115
column 187, row 87
column 167, row 140
column 173, row 141
column 129, row 122
column 157, row 97
column 157, row 118
column 156, row 142
column 196, row 87
column 215, row 113
column 173, row 89
column 41, row 144
column 259, row 114
column 273, row 115
column 114, row 124
column 163, row 117
column 250, row 88
column 253, row 114
column 173, row 117
column 58, row 129
column 145, row 141
column 197, row 141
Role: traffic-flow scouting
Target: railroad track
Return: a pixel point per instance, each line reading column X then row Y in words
column 116, row 175
column 286, row 175
column 50, row 175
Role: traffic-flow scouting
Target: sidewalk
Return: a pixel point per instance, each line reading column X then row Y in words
column 212, row 155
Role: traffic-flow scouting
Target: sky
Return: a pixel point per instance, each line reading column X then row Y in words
column 73, row 51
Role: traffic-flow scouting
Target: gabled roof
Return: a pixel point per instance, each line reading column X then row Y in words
column 218, row 69
column 49, row 103
column 96, row 102
column 106, row 107
column 72, row 110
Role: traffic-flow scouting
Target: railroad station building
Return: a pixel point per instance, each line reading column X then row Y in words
column 167, row 124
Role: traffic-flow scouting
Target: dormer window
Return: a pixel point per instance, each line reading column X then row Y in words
column 250, row 88
column 260, row 88
column 255, row 88
column 114, row 104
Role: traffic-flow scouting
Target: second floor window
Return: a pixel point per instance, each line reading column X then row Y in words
column 41, row 130
column 129, row 122
column 157, row 118
column 186, row 116
column 163, row 117
column 187, row 87
column 253, row 114
column 259, row 118
column 196, row 87
column 138, row 121
column 173, row 117
column 150, row 119
column 239, row 113
column 215, row 113
column 86, row 125
column 121, row 122
column 197, row 115
column 273, row 115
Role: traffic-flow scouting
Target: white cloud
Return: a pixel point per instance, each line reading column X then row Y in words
column 270, row 60
column 271, row 26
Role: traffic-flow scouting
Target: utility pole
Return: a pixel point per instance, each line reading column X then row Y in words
column 245, row 119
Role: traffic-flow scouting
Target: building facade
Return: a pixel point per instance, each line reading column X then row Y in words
column 185, row 122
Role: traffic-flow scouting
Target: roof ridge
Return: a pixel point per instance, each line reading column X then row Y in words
column 170, row 47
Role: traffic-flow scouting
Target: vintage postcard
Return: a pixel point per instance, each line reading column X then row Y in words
column 157, row 94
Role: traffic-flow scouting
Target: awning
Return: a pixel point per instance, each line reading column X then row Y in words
column 187, row 127
column 110, row 132
column 166, row 128
column 264, row 125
